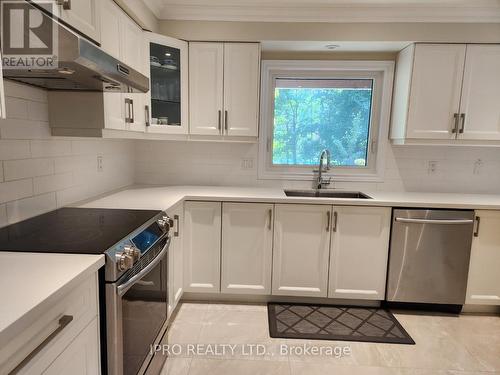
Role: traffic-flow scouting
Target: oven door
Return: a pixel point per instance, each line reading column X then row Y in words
column 136, row 312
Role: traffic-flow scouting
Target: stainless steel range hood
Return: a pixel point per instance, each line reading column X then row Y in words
column 82, row 66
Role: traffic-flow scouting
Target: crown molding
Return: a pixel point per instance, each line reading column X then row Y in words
column 452, row 13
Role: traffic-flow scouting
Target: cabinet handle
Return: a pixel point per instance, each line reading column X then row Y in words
column 63, row 322
column 132, row 119
column 220, row 121
column 225, row 121
column 146, row 113
column 328, row 221
column 176, row 232
column 478, row 221
column 456, row 118
column 269, row 224
column 66, row 4
column 128, row 117
column 462, row 117
column 335, row 217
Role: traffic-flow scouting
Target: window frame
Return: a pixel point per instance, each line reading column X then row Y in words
column 382, row 73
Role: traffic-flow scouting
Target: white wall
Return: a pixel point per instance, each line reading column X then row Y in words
column 179, row 163
column 39, row 173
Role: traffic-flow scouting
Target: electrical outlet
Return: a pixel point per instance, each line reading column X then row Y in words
column 247, row 163
column 100, row 165
column 478, row 164
column 432, row 166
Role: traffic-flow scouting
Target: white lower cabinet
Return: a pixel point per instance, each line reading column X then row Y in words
column 285, row 249
column 81, row 357
column 247, row 245
column 483, row 286
column 359, row 251
column 202, row 239
column 175, row 259
column 74, row 348
column 301, row 250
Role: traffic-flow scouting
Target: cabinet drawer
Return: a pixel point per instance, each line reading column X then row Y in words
column 81, row 304
column 81, row 357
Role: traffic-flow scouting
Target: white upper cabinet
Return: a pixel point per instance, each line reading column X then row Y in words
column 114, row 106
column 121, row 38
column 247, row 246
column 131, row 40
column 446, row 94
column 301, row 250
column 224, row 88
column 167, row 100
column 111, row 16
column 435, row 90
column 359, row 252
column 83, row 15
column 480, row 104
column 483, row 286
column 115, row 111
column 135, row 112
column 241, row 89
column 206, row 86
column 201, row 246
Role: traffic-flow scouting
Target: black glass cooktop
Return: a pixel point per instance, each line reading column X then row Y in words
column 73, row 230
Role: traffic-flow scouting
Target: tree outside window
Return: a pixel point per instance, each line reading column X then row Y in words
column 313, row 114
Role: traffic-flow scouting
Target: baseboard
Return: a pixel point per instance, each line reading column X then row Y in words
column 253, row 299
column 481, row 309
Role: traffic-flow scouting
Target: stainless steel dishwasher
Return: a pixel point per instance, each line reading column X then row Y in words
column 429, row 256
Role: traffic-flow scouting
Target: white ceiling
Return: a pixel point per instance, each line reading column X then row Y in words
column 320, row 46
column 329, row 10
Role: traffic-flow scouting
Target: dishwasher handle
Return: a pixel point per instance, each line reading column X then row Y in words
column 434, row 221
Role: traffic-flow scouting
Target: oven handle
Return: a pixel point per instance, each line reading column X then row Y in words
column 122, row 289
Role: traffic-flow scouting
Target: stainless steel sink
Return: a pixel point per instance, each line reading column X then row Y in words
column 327, row 194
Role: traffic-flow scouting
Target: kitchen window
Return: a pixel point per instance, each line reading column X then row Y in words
column 308, row 106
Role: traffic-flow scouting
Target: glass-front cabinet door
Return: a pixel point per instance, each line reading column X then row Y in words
column 168, row 94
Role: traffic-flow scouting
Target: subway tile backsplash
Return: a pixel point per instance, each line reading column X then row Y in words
column 39, row 173
column 457, row 169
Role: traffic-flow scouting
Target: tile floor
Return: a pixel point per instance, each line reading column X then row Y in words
column 461, row 345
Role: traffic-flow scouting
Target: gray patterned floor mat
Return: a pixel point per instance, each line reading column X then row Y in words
column 343, row 323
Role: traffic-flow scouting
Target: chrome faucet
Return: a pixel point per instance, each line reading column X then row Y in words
column 323, row 168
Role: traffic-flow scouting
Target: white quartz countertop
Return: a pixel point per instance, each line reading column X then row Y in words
column 30, row 283
column 165, row 197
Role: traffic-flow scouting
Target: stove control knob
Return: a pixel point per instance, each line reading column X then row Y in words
column 124, row 261
column 165, row 223
column 132, row 251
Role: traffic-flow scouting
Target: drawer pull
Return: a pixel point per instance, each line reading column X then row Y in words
column 335, row 219
column 456, row 118
column 63, row 322
column 476, row 231
column 176, row 219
